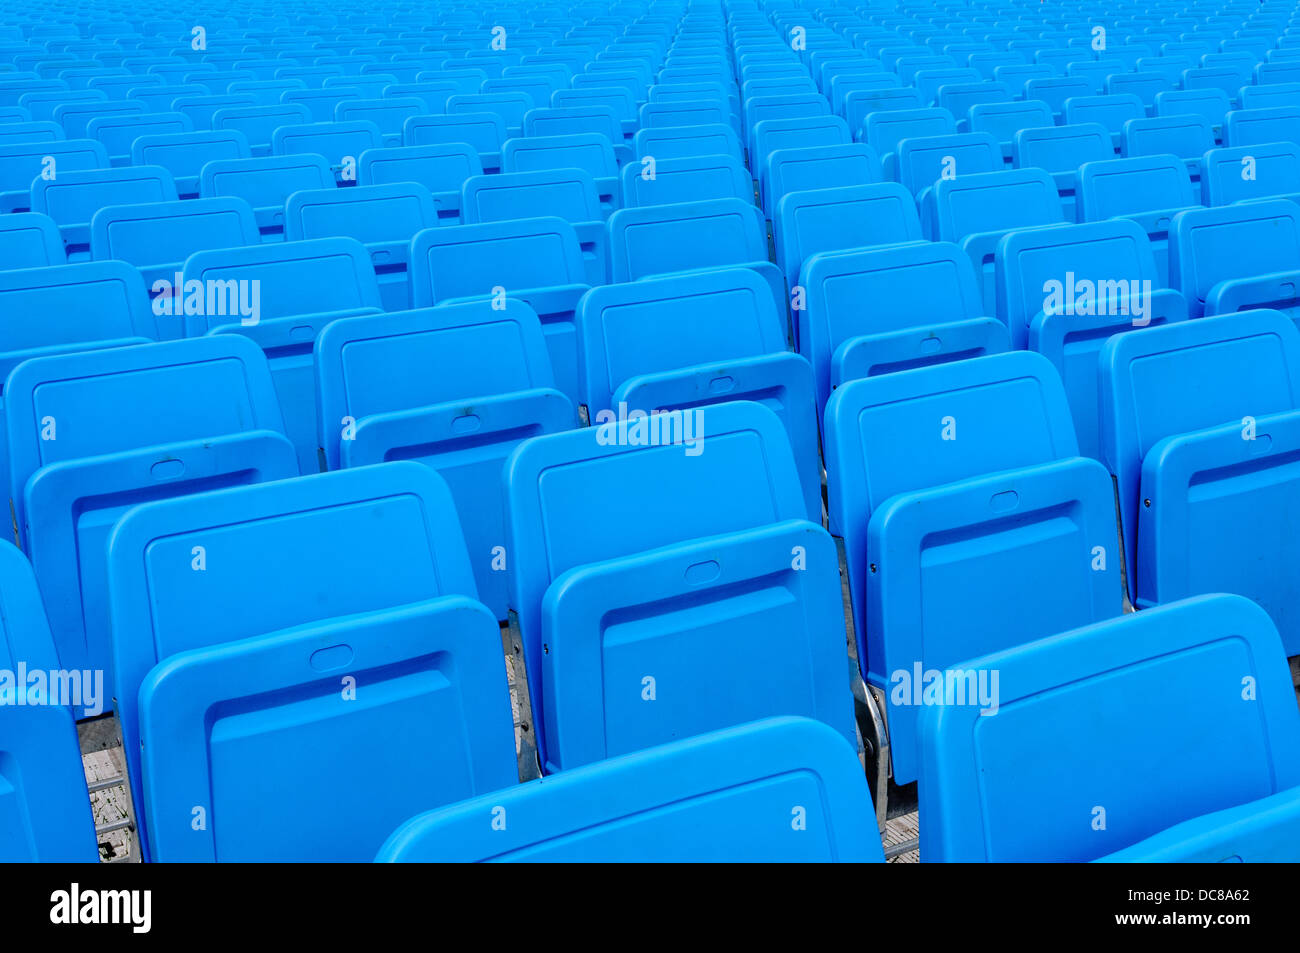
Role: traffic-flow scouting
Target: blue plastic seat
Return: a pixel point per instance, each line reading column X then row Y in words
column 1005, row 119
column 1187, row 136
column 319, row 102
column 1252, row 127
column 861, row 103
column 455, row 387
column 439, row 168
column 184, row 155
column 297, row 288
column 589, row 151
column 1198, row 425
column 200, row 106
column 1150, row 190
column 22, row 163
column 958, row 98
column 796, row 133
column 1211, row 104
column 1271, row 94
column 41, row 131
column 683, row 142
column 921, row 161
column 688, row 341
column 1156, row 684
column 569, row 194
column 30, row 240
column 72, row 197
column 538, row 260
column 75, row 117
column 382, row 217
column 877, row 310
column 1266, row 170
column 389, row 114
column 158, row 237
column 683, row 527
column 340, row 143
column 258, row 123
column 1111, row 111
column 118, row 132
column 1060, row 150
column 941, row 478
column 1237, row 257
column 511, row 107
column 484, row 131
column 689, row 179
column 816, row 167
column 44, row 808
column 1056, row 90
column 726, row 796
column 334, row 618
column 70, row 477
column 265, row 183
column 883, row 131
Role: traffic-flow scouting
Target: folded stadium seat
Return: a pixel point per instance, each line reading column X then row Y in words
column 119, row 132
column 41, row 105
column 1212, row 104
column 537, row 260
column 68, row 486
column 928, row 82
column 265, row 92
column 1199, row 423
column 1110, row 111
column 201, row 107
column 700, row 559
column 1056, row 90
column 382, row 217
column 439, row 168
column 977, row 211
column 1237, row 257
column 321, row 103
column 689, row 341
column 698, row 112
column 484, row 131
column 432, row 94
column 1005, row 119
column 1064, row 290
column 1157, row 684
column 1225, row 79
column 371, row 412
column 589, row 151
column 72, row 197
column 921, row 161
column 861, row 103
column 317, row 588
column 538, row 89
column 1016, row 75
column 264, row 183
column 720, row 90
column 844, row 83
column 295, row 289
column 719, row 233
column 883, row 131
column 1249, row 127
column 218, row 81
column 1149, row 189
column 887, row 308
column 30, row 240
column 692, row 179
column 509, row 106
column 184, row 154
column 1060, row 150
column 44, row 808
column 157, row 238
column 339, row 142
column 934, row 492
column 389, row 114
column 595, row 119
column 1095, row 72
column 259, row 123
column 680, row 142
column 620, row 100
column 1266, row 170
column 569, row 194
column 724, row 796
column 75, row 117
column 1186, row 136
column 466, row 77
column 1143, row 85
column 796, row 133
column 817, row 167
column 1263, row 97
column 958, row 98
column 46, row 131
column 1270, row 74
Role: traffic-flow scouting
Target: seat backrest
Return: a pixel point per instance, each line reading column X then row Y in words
column 336, row 141
column 992, row 202
column 485, row 131
column 1144, row 85
column 1249, row 127
column 30, row 240
column 472, row 260
column 310, row 277
column 874, row 290
column 1062, row 148
column 258, row 123
column 265, row 181
column 75, row 117
column 589, row 151
column 885, row 130
column 1187, row 136
column 643, row 327
column 569, row 194
column 1209, row 245
column 1139, row 184
column 40, row 131
column 924, row 160
column 1111, row 111
column 368, row 213
column 837, row 219
column 1005, row 119
column 1057, row 89
column 694, row 112
column 1158, row 684
column 959, row 98
column 73, row 197
column 1186, row 376
column 389, row 113
column 184, row 154
column 22, row 163
column 440, row 168
column 509, row 106
column 166, row 232
column 1210, row 104
column 690, row 179
column 1250, row 172
column 662, row 238
column 701, row 799
column 1272, row 94
column 453, row 352
column 675, row 142
column 119, row 132
column 819, row 167
column 44, row 808
column 276, row 556
column 797, row 132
